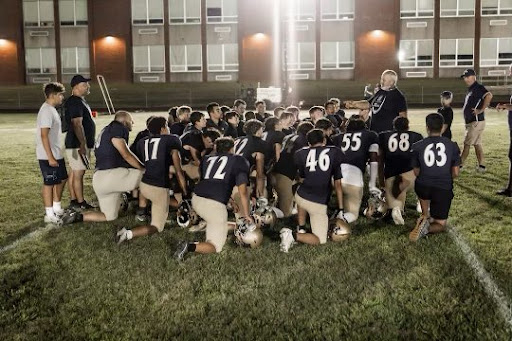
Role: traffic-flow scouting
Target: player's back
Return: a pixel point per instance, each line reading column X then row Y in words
column 286, row 164
column 156, row 156
column 356, row 146
column 247, row 146
column 396, row 147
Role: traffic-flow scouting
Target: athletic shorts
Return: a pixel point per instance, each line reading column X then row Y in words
column 474, row 131
column 440, row 200
column 53, row 175
column 75, row 161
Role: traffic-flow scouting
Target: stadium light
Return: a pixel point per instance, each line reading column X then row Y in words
column 3, row 42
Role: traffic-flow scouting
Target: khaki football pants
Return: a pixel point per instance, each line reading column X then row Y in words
column 159, row 198
column 400, row 201
column 352, row 199
column 317, row 217
column 216, row 216
column 283, row 186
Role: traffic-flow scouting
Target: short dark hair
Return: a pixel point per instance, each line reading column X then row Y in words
column 323, row 123
column 329, row 103
column 212, row 134
column 305, row 127
column 435, row 122
column 278, row 109
column 258, row 102
column 355, row 123
column 149, row 119
column 401, row 123
column 156, row 124
column 224, row 144
column 224, row 109
column 270, row 123
column 315, row 136
column 293, row 109
column 250, row 115
column 53, row 88
column 251, row 127
column 286, row 114
column 196, row 116
column 209, row 107
column 316, row 108
column 173, row 117
column 239, row 102
column 447, row 94
column 230, row 114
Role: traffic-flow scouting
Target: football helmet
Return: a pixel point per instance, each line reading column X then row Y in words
column 248, row 234
column 186, row 216
column 265, row 217
column 340, row 230
column 377, row 207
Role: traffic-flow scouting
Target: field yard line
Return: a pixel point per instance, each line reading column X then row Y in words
column 29, row 236
column 490, row 287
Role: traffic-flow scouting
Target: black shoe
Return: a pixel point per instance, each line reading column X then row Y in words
column 84, row 205
column 181, row 251
column 71, row 216
column 505, row 192
column 73, row 204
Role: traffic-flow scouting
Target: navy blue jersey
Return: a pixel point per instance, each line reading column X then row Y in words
column 247, row 146
column 356, row 147
column 318, row 166
column 435, row 156
column 221, row 127
column 194, row 139
column 133, row 147
column 272, row 138
column 474, row 100
column 231, row 131
column 396, row 148
column 156, row 156
column 286, row 164
column 107, row 156
column 219, row 174
column 288, row 131
column 77, row 107
column 178, row 128
column 447, row 114
column 385, row 105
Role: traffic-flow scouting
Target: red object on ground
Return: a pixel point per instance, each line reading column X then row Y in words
column 94, row 113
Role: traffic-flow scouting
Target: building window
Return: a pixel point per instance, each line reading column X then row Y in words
column 337, row 55
column 457, row 8
column 40, row 61
column 455, row 52
column 148, row 59
column 302, row 10
column 75, row 60
column 337, row 10
column 416, row 8
column 300, row 56
column 222, row 57
column 147, row 12
column 184, row 12
column 186, row 58
column 73, row 12
column 416, row 53
column 221, row 11
column 495, row 51
column 38, row 13
column 496, row 7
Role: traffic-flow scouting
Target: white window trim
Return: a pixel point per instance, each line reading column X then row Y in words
column 416, row 13
column 499, row 10
column 296, row 17
column 185, row 22
column 231, row 19
column 337, row 56
column 497, row 59
column 339, row 16
column 456, row 60
column 76, row 62
column 299, row 68
column 223, row 65
column 416, row 55
column 147, row 17
column 41, row 63
column 149, row 63
column 74, row 17
column 51, row 23
column 457, row 10
column 186, row 65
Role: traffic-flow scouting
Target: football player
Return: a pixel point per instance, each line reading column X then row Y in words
column 183, row 115
column 273, row 136
column 233, row 120
column 260, row 107
column 220, row 173
column 215, row 120
column 318, row 165
column 159, row 150
column 358, row 145
column 239, row 107
column 436, row 163
column 397, row 174
column 326, row 126
column 285, row 170
column 447, row 113
column 296, row 112
column 316, row 113
column 287, row 122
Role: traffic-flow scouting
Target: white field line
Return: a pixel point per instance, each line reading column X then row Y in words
column 29, row 236
column 490, row 287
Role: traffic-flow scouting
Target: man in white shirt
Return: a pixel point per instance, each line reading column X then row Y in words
column 49, row 152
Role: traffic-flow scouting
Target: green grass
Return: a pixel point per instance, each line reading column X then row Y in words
column 74, row 283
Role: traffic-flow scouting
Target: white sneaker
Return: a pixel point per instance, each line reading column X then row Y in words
column 121, row 235
column 418, row 207
column 58, row 213
column 52, row 220
column 396, row 214
column 480, row 169
column 286, row 239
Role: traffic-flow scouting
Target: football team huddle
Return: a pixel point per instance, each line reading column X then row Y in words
column 242, row 171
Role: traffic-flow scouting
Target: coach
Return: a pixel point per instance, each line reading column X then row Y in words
column 79, row 139
column 477, row 100
column 387, row 103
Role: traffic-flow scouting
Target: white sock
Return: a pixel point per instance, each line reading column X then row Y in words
column 129, row 234
column 56, row 206
column 49, row 212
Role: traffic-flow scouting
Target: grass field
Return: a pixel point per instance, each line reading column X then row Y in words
column 75, row 283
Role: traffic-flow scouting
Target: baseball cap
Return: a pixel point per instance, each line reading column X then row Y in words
column 78, row 79
column 447, row 94
column 467, row 73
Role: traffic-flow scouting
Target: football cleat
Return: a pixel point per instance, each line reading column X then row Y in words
column 71, row 216
column 420, row 230
column 181, row 251
column 287, row 240
column 52, row 220
column 186, row 216
column 84, row 205
column 396, row 214
column 376, row 208
column 248, row 234
column 141, row 214
column 121, row 236
column 339, row 230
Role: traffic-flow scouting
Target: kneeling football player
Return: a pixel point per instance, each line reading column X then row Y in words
column 318, row 165
column 220, row 173
column 159, row 150
column 436, row 163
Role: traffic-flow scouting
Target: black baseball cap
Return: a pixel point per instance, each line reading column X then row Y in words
column 77, row 79
column 468, row 72
column 447, row 94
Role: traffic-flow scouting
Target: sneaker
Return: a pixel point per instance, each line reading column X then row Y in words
column 421, row 229
column 73, row 205
column 181, row 251
column 200, row 227
column 52, row 220
column 480, row 169
column 418, row 207
column 71, row 216
column 287, row 240
column 396, row 214
column 505, row 192
column 121, row 236
column 84, row 205
column 59, row 213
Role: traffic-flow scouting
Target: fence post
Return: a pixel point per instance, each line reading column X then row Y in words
column 19, row 99
column 146, row 95
column 422, row 95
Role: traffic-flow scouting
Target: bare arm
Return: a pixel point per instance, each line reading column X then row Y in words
column 443, row 129
column 361, row 105
column 46, row 145
column 244, row 198
column 176, row 161
column 339, row 193
column 126, row 153
column 455, row 172
column 260, row 174
column 487, row 101
column 277, row 147
column 416, row 172
column 78, row 129
column 403, row 114
column 504, row 106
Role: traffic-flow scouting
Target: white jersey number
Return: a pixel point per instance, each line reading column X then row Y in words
column 240, row 146
column 352, row 141
column 437, row 156
column 219, row 174
column 403, row 144
column 154, row 151
column 323, row 160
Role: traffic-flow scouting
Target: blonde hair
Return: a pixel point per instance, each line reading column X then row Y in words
column 391, row 73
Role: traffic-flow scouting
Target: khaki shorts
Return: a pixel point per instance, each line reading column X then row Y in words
column 317, row 216
column 108, row 185
column 474, row 131
column 74, row 159
column 284, row 188
column 159, row 198
column 400, row 201
column 216, row 216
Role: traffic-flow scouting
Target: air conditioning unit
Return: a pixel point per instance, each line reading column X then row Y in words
column 417, row 24
column 223, row 78
column 146, row 31
column 149, row 79
column 39, row 33
column 498, row 22
column 497, row 73
column 41, row 80
column 416, row 74
column 222, row 29
column 299, row 76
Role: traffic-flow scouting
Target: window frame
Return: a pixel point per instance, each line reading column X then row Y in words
column 149, row 60
column 507, row 61
column 223, row 65
column 185, row 22
column 299, row 63
column 74, row 15
column 147, row 23
column 49, row 23
column 186, row 65
column 457, row 11
column 416, row 66
column 416, row 12
column 498, row 11
column 223, row 19
column 76, row 71
column 41, row 61
column 456, row 60
column 296, row 17
column 338, row 62
column 339, row 16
